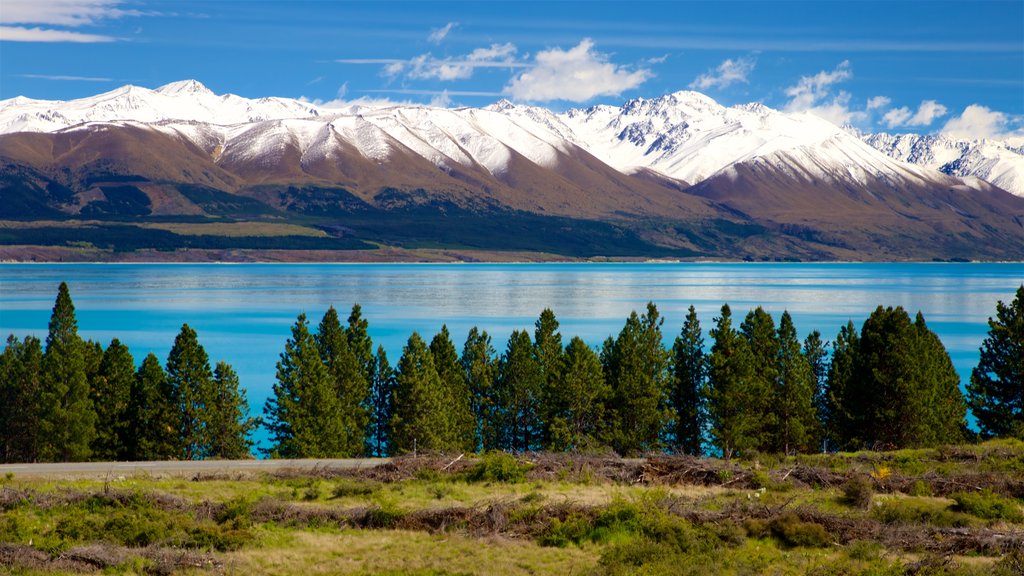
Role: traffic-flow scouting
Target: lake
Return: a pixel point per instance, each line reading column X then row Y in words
column 243, row 312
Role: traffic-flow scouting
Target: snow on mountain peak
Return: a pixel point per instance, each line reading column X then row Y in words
column 184, row 87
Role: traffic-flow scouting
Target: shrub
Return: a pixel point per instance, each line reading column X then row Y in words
column 988, row 506
column 858, row 490
column 350, row 488
column 864, row 550
column 498, row 467
column 918, row 511
column 920, row 488
column 790, row 530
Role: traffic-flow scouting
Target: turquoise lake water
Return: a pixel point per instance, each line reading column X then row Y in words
column 243, row 313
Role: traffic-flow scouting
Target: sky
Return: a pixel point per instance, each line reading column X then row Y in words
column 920, row 66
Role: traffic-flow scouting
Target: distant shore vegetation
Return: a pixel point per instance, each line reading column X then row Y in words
column 752, row 388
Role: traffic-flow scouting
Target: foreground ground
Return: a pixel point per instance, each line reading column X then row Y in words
column 955, row 510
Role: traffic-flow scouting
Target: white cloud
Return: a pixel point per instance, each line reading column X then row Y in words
column 442, row 100
column 728, row 72
column 342, row 90
column 977, row 121
column 658, row 59
column 66, row 78
column 878, row 102
column 926, row 113
column 813, row 94
column 426, row 66
column 62, row 14
column 577, row 75
column 437, row 35
column 20, row 34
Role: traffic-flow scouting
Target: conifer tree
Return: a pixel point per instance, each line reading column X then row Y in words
column 359, row 341
column 793, row 397
column 762, row 341
column 480, row 365
column 382, row 392
column 461, row 424
column 730, row 370
column 637, row 369
column 418, row 422
column 304, row 415
column 814, row 350
column 67, row 417
column 519, row 385
column 21, row 367
column 843, row 404
column 153, row 421
column 548, row 348
column 996, row 390
column 689, row 380
column 945, row 408
column 349, row 379
column 229, row 425
column 110, row 393
column 578, row 402
column 191, row 381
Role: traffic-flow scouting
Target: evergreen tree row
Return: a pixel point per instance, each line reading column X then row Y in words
column 73, row 400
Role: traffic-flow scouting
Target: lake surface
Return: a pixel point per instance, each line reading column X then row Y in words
column 243, row 313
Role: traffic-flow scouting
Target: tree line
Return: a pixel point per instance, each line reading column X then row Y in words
column 754, row 387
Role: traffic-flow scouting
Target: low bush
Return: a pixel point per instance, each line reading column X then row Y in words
column 858, row 490
column 988, row 506
column 498, row 467
column 910, row 511
column 353, row 488
column 789, row 530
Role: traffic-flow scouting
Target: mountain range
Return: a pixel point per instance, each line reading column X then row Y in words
column 674, row 176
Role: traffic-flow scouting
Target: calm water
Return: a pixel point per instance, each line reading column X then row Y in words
column 243, row 313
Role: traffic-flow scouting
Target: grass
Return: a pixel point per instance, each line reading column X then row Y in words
column 859, row 513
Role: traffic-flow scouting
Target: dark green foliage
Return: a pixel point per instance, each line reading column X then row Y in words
column 21, row 365
column 519, row 385
column 498, row 467
column 790, row 531
column 381, row 395
column 305, row 416
column 987, row 505
column 762, row 383
column 359, row 341
column 793, row 397
column 996, row 390
column 191, row 381
column 894, row 386
column 111, row 394
column 575, row 407
column 153, row 420
column 349, row 379
column 419, row 419
column 461, row 425
column 730, row 369
column 688, row 392
column 548, row 348
column 636, row 366
column 480, row 365
column 816, row 353
column 228, row 424
column 67, row 417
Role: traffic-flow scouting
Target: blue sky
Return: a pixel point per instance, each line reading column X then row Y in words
column 896, row 66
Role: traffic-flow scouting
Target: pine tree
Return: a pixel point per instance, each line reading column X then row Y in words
column 844, row 405
column 815, row 351
column 996, row 390
column 945, row 407
column 762, row 341
column 480, row 365
column 578, row 402
column 110, row 394
column 153, row 422
column 793, row 398
column 519, row 385
column 419, row 420
column 191, row 381
column 548, row 348
column 67, row 417
column 462, row 426
column 382, row 392
column 359, row 341
column 304, row 415
column 21, row 367
column 229, row 425
column 689, row 379
column 730, row 371
column 349, row 379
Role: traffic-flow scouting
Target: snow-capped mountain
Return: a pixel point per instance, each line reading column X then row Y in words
column 999, row 162
column 680, row 170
